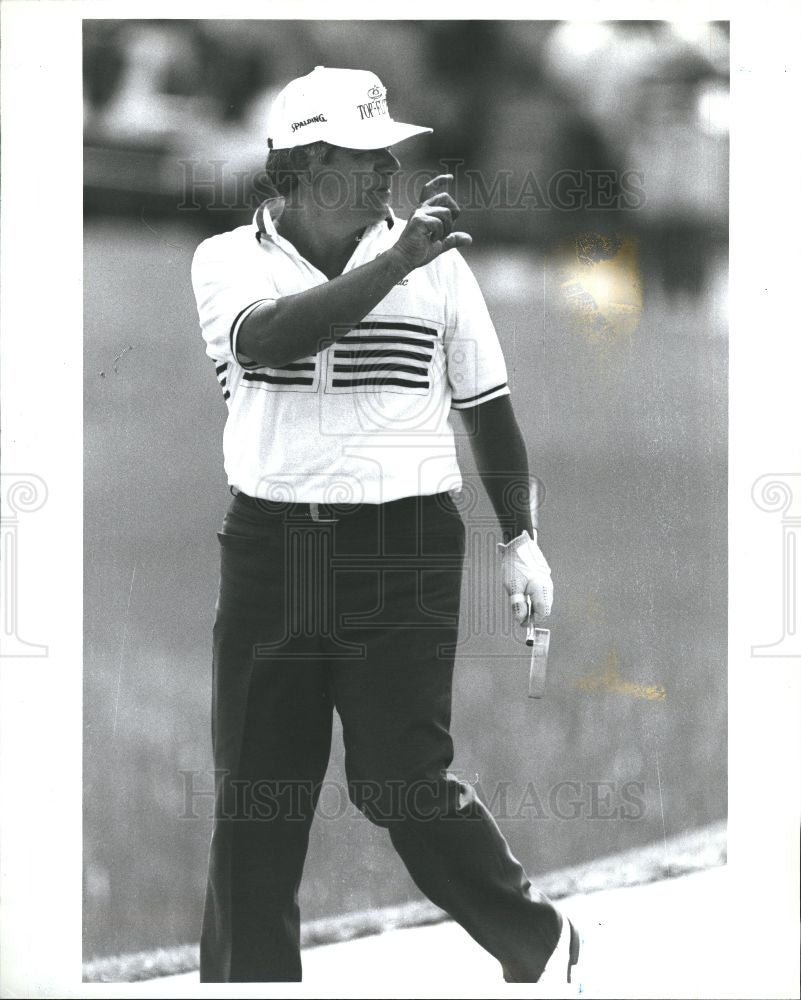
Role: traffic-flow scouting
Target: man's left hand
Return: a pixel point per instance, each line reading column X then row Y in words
column 526, row 573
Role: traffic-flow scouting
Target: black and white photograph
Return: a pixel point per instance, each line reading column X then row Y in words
column 409, row 637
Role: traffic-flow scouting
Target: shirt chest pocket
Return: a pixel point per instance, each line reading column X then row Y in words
column 393, row 353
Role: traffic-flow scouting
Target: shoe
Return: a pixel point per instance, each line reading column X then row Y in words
column 559, row 967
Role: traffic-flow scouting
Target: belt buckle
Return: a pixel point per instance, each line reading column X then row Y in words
column 314, row 510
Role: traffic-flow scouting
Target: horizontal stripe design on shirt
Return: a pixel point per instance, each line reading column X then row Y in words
column 419, row 344
column 480, row 395
column 384, row 353
column 389, row 380
column 389, row 353
column 288, row 374
column 390, row 325
column 221, row 371
column 278, row 379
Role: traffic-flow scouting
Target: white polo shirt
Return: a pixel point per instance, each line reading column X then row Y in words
column 366, row 419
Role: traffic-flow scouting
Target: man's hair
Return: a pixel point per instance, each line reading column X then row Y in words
column 284, row 165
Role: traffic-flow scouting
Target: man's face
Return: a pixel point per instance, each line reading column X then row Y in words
column 357, row 181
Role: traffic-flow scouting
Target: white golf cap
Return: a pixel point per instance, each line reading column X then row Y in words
column 345, row 107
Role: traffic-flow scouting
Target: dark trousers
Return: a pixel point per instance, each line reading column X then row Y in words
column 361, row 616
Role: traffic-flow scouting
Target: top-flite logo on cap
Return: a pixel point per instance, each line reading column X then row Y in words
column 376, row 106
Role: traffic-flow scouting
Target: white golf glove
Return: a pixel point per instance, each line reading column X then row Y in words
column 526, row 575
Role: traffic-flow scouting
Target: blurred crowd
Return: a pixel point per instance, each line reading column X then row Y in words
column 176, row 115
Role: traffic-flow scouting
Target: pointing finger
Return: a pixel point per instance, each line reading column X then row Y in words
column 435, row 185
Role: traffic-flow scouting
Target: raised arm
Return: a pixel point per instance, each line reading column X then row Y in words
column 280, row 331
column 283, row 330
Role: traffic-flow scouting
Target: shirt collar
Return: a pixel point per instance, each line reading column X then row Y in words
column 270, row 211
column 266, row 216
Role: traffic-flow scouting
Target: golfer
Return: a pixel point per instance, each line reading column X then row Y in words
column 342, row 337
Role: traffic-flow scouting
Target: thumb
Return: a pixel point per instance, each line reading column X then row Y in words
column 531, row 617
column 456, row 240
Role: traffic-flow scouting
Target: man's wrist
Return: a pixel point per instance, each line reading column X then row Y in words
column 397, row 262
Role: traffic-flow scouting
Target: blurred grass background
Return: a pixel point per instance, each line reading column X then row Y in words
column 626, row 428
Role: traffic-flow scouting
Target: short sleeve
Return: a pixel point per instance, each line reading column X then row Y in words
column 228, row 286
column 475, row 363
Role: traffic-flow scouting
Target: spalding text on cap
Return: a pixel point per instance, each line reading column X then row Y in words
column 309, row 121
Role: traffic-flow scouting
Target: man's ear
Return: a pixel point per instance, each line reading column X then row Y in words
column 303, row 158
column 306, row 161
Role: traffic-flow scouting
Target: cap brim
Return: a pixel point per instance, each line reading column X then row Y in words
column 378, row 135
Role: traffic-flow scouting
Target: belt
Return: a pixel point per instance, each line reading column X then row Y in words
column 330, row 513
